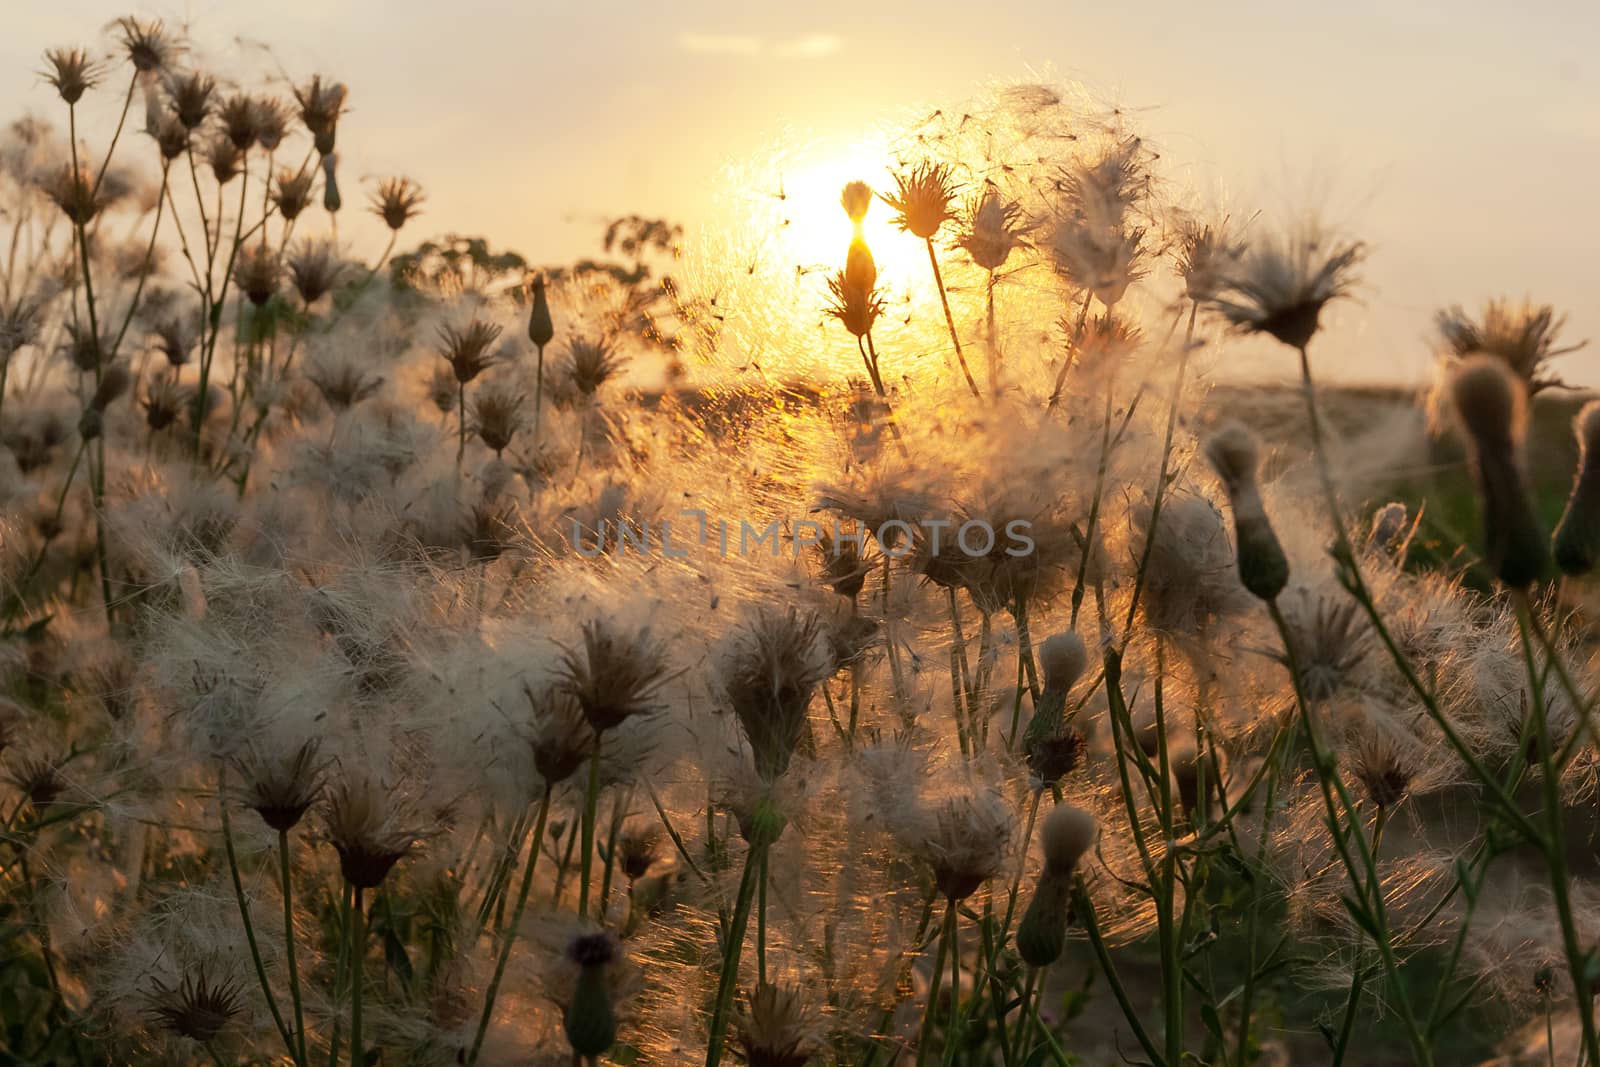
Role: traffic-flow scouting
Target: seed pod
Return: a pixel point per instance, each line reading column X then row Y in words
column 1491, row 406
column 331, row 200
column 1577, row 540
column 1052, row 746
column 1042, row 935
column 1235, row 454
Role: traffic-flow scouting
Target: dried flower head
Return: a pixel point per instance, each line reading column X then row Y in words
column 163, row 402
column 1235, row 454
column 196, row 1008
column 190, row 95
column 72, row 71
column 271, row 121
column 1205, row 255
column 343, row 380
column 1524, row 337
column 1283, row 282
column 968, row 843
column 72, row 189
column 780, row 1026
column 844, row 567
column 497, row 414
column 398, row 201
column 562, row 740
column 370, row 827
column 1095, row 244
column 466, row 348
column 175, row 339
column 172, row 137
column 769, row 672
column 1330, row 639
column 238, row 116
column 1577, row 536
column 856, row 302
column 638, row 849
column 321, row 105
column 37, row 778
column 590, row 363
column 291, row 192
column 146, row 44
column 223, row 158
column 616, row 677
column 856, row 198
column 256, row 273
column 923, row 197
column 1491, row 406
column 993, row 229
column 281, row 787
column 314, row 269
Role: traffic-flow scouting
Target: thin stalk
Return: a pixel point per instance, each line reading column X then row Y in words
column 510, row 932
column 591, row 798
column 244, row 916
column 949, row 319
column 288, row 944
column 731, row 950
column 1072, row 352
column 761, row 920
column 538, row 395
column 358, row 938
column 930, row 1010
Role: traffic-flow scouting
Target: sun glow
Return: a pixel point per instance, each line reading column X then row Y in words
column 816, row 231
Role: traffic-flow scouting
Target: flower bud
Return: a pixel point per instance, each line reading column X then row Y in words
column 541, row 329
column 1042, row 934
column 855, row 200
column 1577, row 540
column 1491, row 406
column 1235, row 455
column 1062, row 658
column 590, row 1021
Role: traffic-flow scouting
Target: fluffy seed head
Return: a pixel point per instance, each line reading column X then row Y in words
column 616, row 676
column 146, row 44
column 769, row 671
column 968, row 844
column 256, row 273
column 856, row 199
column 238, row 116
column 314, row 269
column 1235, row 454
column 1488, row 400
column 371, row 829
column 590, row 363
column 190, row 96
column 1524, row 337
column 497, row 415
column 993, row 229
column 780, row 1026
column 1283, row 282
column 1491, row 403
column 321, row 104
column 1062, row 657
column 1067, row 833
column 282, row 787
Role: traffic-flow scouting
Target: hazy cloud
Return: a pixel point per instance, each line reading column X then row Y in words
column 805, row 46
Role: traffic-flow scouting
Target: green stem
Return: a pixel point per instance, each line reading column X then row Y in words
column 931, row 1008
column 510, row 932
column 288, row 944
column 358, row 941
column 591, row 799
column 244, row 916
column 732, row 949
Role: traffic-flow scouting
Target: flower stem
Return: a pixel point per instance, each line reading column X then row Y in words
column 288, row 945
column 244, row 916
column 511, row 929
column 732, row 949
column 358, row 949
column 949, row 319
column 591, row 799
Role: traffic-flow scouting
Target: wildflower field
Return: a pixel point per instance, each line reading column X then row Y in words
column 418, row 655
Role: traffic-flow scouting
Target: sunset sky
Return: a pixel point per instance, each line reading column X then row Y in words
column 1460, row 139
